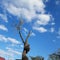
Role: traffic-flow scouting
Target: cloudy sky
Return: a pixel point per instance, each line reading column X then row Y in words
column 42, row 17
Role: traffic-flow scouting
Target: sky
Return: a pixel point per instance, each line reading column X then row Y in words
column 42, row 17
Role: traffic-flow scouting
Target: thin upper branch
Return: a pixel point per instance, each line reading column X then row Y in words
column 21, row 37
column 26, row 41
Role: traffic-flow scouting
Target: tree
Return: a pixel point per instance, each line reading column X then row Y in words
column 26, row 48
column 37, row 58
column 55, row 56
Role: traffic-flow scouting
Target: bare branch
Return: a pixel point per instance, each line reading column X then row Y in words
column 26, row 41
column 20, row 25
column 19, row 29
column 21, row 37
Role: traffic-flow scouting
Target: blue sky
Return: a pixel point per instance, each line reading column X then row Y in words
column 42, row 17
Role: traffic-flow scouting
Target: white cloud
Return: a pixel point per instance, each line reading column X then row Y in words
column 26, row 8
column 13, row 40
column 29, row 4
column 4, row 53
column 9, row 39
column 58, row 33
column 13, row 51
column 52, row 29
column 47, row 0
column 58, row 2
column 54, row 40
column 29, row 10
column 21, row 46
column 58, row 37
column 25, row 30
column 52, row 23
column 13, row 10
column 3, row 38
column 2, row 27
column 40, row 29
column 9, row 53
column 4, row 17
column 43, row 19
column 33, row 34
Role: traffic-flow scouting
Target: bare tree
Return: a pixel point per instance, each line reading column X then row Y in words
column 26, row 48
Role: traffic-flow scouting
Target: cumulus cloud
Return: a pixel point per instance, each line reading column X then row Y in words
column 53, row 23
column 33, row 34
column 58, row 33
column 3, row 38
column 26, row 31
column 13, row 10
column 2, row 27
column 58, row 37
column 29, row 10
column 13, row 40
column 52, row 29
column 13, row 51
column 54, row 40
column 43, row 19
column 9, row 39
column 9, row 53
column 3, row 17
column 36, row 5
column 57, row 2
column 4, row 53
column 40, row 29
column 26, row 8
column 21, row 46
